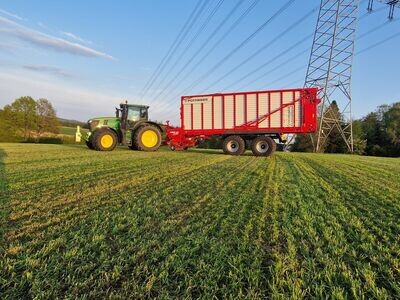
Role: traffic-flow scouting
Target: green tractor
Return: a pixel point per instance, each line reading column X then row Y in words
column 129, row 127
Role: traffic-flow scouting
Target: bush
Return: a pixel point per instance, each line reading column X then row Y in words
column 44, row 140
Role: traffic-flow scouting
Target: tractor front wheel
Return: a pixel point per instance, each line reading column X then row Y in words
column 104, row 140
column 147, row 138
column 89, row 145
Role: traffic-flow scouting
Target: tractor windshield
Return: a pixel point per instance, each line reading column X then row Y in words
column 134, row 114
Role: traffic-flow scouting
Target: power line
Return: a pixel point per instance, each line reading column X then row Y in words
column 223, row 37
column 294, row 57
column 393, row 36
column 381, row 42
column 280, row 65
column 170, row 48
column 361, row 51
column 266, row 46
column 377, row 28
column 179, row 39
column 358, row 53
column 219, row 26
column 226, row 34
column 243, row 43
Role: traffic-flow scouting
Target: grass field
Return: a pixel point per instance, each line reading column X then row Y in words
column 70, row 130
column 77, row 223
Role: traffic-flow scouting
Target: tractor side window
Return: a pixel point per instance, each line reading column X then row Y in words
column 143, row 113
column 133, row 114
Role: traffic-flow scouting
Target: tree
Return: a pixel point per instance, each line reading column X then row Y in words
column 359, row 142
column 335, row 142
column 22, row 113
column 303, row 143
column 391, row 124
column 46, row 117
column 8, row 128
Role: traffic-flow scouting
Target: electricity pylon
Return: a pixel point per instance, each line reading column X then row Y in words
column 392, row 5
column 330, row 67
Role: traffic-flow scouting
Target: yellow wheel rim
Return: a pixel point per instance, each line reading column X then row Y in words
column 149, row 138
column 106, row 141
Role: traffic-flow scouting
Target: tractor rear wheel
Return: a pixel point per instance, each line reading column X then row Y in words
column 104, row 140
column 147, row 138
column 234, row 145
column 263, row 146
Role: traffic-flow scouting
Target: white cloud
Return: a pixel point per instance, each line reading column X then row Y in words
column 48, row 70
column 75, row 37
column 7, row 48
column 4, row 12
column 40, row 24
column 70, row 101
column 46, row 41
column 74, row 102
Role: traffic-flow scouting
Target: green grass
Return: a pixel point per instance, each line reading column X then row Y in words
column 70, row 130
column 198, row 224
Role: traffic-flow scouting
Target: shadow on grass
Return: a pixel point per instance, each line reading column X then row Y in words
column 214, row 151
column 4, row 204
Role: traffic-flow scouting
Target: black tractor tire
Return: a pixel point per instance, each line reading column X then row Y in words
column 133, row 146
column 234, row 145
column 263, row 146
column 147, row 138
column 104, row 140
column 89, row 144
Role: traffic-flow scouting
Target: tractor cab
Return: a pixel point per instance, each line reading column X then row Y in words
column 130, row 114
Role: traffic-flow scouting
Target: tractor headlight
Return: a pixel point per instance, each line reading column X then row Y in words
column 93, row 124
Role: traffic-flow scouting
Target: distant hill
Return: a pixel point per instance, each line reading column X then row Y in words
column 71, row 123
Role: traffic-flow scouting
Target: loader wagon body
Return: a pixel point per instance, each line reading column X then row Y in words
column 246, row 115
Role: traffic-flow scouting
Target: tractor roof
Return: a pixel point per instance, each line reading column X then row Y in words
column 135, row 105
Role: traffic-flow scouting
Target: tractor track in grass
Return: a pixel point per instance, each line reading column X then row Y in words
column 128, row 224
column 153, row 237
column 322, row 215
column 361, row 237
column 365, row 202
column 108, row 186
column 171, row 234
column 65, row 206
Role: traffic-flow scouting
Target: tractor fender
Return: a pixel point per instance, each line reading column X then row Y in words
column 140, row 124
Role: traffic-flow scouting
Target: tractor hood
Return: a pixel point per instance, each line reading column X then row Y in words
column 111, row 122
column 104, row 118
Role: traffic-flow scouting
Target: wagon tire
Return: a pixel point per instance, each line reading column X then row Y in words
column 263, row 146
column 104, row 140
column 234, row 145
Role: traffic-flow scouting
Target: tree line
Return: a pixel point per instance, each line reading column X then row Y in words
column 27, row 119
column 377, row 134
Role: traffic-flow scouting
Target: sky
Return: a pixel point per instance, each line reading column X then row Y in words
column 86, row 57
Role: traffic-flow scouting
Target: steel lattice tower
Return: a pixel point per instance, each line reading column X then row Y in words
column 392, row 5
column 330, row 67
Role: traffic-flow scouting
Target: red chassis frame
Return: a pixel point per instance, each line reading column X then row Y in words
column 180, row 138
